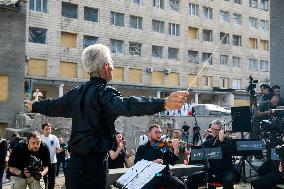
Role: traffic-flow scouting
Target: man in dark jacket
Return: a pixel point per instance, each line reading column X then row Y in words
column 220, row 170
column 93, row 107
column 149, row 152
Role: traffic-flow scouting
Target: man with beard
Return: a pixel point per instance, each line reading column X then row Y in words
column 264, row 112
column 21, row 162
column 148, row 152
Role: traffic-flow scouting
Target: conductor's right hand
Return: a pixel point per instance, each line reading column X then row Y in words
column 176, row 100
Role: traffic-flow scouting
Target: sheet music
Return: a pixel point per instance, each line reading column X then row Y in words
column 140, row 174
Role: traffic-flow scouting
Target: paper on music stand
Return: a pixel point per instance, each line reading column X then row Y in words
column 139, row 175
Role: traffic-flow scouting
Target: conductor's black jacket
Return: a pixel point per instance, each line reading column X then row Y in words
column 93, row 107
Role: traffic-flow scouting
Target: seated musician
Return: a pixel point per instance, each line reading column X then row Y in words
column 220, row 170
column 183, row 147
column 149, row 152
column 264, row 112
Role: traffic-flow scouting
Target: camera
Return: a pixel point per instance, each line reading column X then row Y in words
column 35, row 167
column 251, row 87
column 279, row 150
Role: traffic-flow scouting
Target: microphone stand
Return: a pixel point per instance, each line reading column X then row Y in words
column 206, row 164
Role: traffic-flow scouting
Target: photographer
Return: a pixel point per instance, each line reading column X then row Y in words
column 264, row 112
column 29, row 162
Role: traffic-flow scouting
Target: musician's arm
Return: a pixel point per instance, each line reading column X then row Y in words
column 262, row 111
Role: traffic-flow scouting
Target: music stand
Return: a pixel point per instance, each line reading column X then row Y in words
column 241, row 122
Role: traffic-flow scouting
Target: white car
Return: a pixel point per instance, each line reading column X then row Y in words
column 210, row 109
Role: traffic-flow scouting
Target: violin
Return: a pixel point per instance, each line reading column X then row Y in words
column 169, row 144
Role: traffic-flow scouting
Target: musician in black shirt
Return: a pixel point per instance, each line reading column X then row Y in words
column 220, row 170
column 149, row 152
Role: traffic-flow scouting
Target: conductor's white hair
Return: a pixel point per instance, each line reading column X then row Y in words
column 94, row 57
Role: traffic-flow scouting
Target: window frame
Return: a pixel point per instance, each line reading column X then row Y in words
column 69, row 4
column 204, row 31
column 114, row 17
column 208, row 13
column 174, row 29
column 161, row 26
column 138, row 22
column 158, row 48
column 91, row 9
column 195, row 7
column 114, row 42
column 34, row 3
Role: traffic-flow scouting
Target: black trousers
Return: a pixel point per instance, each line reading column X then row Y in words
column 49, row 179
column 227, row 178
column 60, row 160
column 88, row 171
column 165, row 180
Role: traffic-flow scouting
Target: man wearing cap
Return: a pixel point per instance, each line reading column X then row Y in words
column 94, row 107
column 220, row 170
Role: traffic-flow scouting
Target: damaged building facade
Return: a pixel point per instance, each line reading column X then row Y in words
column 158, row 46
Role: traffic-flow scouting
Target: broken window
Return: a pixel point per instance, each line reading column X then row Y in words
column 224, row 38
column 237, row 40
column 237, row 19
column 253, row 3
column 117, row 46
column 208, row 13
column 264, row 65
column 253, row 64
column 69, row 10
column 117, row 19
column 173, row 53
column 157, row 51
column 236, row 62
column 158, row 26
column 38, row 5
column 91, row 14
column 207, row 35
column 264, row 5
column 37, row 35
column 174, row 5
column 224, row 16
column 89, row 40
column 253, row 22
column 135, row 48
column 174, row 29
column 193, row 57
column 135, row 22
column 224, row 60
column 193, row 9
column 207, row 58
column 158, row 4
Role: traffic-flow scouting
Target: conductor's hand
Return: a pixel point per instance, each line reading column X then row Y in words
column 29, row 104
column 176, row 100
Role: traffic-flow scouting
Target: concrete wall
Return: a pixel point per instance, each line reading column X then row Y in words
column 276, row 45
column 132, row 127
column 12, row 60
